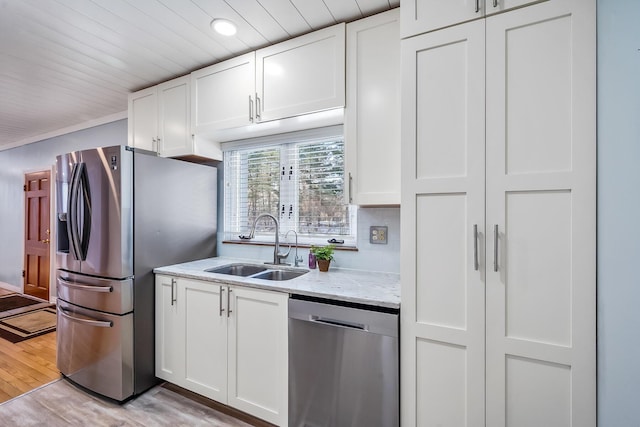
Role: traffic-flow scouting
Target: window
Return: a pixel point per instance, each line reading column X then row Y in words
column 299, row 180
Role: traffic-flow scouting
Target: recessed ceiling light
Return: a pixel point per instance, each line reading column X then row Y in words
column 223, row 27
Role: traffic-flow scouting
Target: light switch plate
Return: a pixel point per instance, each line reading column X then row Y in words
column 378, row 234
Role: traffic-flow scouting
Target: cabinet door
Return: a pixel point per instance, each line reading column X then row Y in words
column 301, row 75
column 174, row 118
column 205, row 338
column 372, row 115
column 143, row 119
column 442, row 341
column 421, row 16
column 541, row 195
column 223, row 95
column 169, row 337
column 258, row 354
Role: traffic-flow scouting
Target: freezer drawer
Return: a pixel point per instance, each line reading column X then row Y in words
column 109, row 295
column 95, row 350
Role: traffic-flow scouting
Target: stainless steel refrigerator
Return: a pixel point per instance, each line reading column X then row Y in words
column 120, row 213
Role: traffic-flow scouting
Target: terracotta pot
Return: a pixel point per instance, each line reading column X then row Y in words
column 323, row 264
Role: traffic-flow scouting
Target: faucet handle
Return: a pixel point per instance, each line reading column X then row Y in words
column 283, row 255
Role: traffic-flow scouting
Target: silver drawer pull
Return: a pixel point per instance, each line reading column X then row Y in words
column 220, row 301
column 90, row 288
column 495, row 247
column 97, row 323
column 476, row 264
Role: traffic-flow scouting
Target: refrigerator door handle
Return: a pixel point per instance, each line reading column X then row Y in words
column 72, row 209
column 98, row 323
column 90, row 288
column 79, row 192
column 86, row 210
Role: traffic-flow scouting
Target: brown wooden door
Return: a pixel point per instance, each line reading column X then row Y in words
column 36, row 236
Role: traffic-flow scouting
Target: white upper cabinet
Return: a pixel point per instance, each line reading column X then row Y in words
column 160, row 121
column 174, row 135
column 159, row 118
column 143, row 119
column 289, row 79
column 421, row 16
column 301, row 75
column 223, row 94
column 372, row 113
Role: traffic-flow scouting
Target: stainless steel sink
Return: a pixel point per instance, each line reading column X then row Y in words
column 243, row 270
column 279, row 274
column 256, row 271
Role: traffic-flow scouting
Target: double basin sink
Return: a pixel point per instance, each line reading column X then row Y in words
column 257, row 271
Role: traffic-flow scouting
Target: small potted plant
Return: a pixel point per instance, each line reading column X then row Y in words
column 324, row 255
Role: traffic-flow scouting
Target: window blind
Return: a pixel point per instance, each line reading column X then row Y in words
column 299, row 182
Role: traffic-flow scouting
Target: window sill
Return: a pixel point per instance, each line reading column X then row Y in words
column 300, row 245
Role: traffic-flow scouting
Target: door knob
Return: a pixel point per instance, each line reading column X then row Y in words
column 45, row 241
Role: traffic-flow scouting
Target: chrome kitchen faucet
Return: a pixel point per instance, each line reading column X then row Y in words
column 277, row 256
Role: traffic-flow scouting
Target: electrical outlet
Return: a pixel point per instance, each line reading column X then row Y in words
column 378, row 235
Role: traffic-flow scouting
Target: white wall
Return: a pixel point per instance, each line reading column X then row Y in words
column 618, row 213
column 32, row 157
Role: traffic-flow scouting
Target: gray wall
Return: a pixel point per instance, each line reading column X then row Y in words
column 618, row 213
column 33, row 157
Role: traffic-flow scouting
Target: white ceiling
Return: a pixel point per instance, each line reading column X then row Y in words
column 67, row 62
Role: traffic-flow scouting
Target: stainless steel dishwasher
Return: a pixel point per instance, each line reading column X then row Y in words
column 343, row 364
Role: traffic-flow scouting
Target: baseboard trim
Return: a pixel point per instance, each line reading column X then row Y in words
column 242, row 416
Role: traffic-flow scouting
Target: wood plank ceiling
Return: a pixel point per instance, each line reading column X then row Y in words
column 67, row 62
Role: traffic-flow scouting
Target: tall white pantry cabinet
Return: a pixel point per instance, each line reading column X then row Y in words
column 499, row 217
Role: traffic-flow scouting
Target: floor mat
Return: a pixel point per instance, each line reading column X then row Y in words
column 28, row 325
column 10, row 302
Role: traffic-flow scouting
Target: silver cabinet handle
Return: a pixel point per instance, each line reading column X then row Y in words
column 477, row 6
column 89, row 288
column 495, row 247
column 258, row 106
column 98, row 323
column 173, row 292
column 350, row 188
column 476, row 264
column 220, row 301
column 229, row 302
column 250, row 109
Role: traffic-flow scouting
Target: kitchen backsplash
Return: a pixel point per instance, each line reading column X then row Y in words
column 371, row 257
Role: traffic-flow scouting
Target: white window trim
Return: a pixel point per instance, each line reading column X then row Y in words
column 306, row 136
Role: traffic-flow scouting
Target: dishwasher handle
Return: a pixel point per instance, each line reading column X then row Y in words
column 356, row 319
column 338, row 323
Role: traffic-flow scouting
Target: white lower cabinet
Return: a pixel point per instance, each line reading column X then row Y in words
column 224, row 342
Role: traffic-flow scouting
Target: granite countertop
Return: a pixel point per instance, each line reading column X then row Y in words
column 364, row 287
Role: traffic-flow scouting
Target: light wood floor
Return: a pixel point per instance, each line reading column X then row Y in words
column 26, row 365
column 60, row 404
